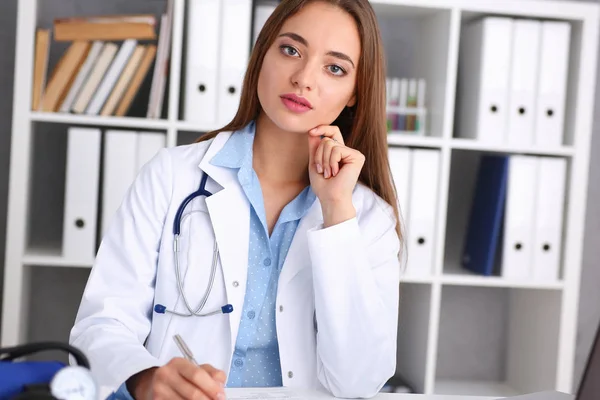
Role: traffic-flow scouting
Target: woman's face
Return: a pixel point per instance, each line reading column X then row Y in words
column 312, row 61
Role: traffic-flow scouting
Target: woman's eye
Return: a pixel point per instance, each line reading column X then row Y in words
column 289, row 50
column 336, row 70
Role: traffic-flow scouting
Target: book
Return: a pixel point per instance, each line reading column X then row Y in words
column 42, row 49
column 110, row 27
column 64, row 74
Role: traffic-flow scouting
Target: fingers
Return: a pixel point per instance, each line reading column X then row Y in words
column 327, row 145
column 334, row 159
column 217, row 374
column 201, row 378
column 184, row 380
column 165, row 382
column 330, row 131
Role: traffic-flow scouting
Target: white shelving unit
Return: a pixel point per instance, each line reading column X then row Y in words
column 540, row 318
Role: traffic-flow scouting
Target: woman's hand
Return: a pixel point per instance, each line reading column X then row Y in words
column 179, row 379
column 333, row 170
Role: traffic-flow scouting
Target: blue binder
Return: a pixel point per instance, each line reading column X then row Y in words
column 487, row 214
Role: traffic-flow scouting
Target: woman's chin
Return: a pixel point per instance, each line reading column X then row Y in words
column 292, row 123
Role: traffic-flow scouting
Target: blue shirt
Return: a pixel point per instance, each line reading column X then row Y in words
column 255, row 361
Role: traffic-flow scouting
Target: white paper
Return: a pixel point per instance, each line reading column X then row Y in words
column 261, row 393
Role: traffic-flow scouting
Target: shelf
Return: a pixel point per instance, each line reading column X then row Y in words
column 470, row 144
column 196, row 127
column 52, row 258
column 426, row 280
column 495, row 281
column 474, row 388
column 457, row 276
column 121, row 122
column 399, row 138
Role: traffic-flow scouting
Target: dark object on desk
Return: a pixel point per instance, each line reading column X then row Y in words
column 397, row 384
column 36, row 380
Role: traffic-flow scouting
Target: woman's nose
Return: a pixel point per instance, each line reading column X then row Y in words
column 305, row 77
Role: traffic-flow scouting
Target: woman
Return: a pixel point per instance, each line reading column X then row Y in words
column 304, row 216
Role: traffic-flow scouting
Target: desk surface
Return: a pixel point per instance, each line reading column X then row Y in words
column 295, row 394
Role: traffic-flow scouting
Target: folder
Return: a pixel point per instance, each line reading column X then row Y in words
column 551, row 180
column 484, row 65
column 519, row 217
column 422, row 211
column 234, row 55
column 262, row 12
column 523, row 76
column 148, row 144
column 400, row 166
column 120, row 168
column 552, row 83
column 81, row 195
column 201, row 61
column 487, row 212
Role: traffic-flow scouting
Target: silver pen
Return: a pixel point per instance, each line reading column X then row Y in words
column 185, row 350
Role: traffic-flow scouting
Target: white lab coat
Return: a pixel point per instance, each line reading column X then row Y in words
column 337, row 298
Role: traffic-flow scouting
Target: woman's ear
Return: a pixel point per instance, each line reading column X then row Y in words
column 352, row 101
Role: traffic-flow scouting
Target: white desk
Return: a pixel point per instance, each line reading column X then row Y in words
column 295, row 394
column 290, row 394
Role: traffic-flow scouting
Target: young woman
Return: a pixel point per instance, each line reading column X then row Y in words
column 287, row 271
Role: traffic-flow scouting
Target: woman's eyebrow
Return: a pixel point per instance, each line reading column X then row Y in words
column 301, row 40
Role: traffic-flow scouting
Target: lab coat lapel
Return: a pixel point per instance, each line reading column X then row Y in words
column 229, row 212
column 297, row 256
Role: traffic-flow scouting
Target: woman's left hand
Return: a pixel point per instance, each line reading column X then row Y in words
column 333, row 169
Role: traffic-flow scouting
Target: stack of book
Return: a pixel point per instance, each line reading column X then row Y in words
column 104, row 66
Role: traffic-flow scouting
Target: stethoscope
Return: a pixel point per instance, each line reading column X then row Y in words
column 159, row 308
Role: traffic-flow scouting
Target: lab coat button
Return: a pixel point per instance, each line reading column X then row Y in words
column 290, row 374
column 267, row 262
column 280, row 308
column 235, row 283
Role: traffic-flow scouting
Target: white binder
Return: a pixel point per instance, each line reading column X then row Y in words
column 400, row 165
column 551, row 180
column 148, row 144
column 519, row 215
column 422, row 211
column 81, row 195
column 201, row 61
column 484, row 66
column 235, row 36
column 262, row 12
column 120, row 168
column 552, row 83
column 523, row 76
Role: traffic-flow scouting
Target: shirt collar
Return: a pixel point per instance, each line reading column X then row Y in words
column 237, row 153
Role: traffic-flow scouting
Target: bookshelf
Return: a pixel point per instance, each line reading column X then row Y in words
column 526, row 336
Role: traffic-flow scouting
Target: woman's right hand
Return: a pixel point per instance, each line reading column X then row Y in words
column 179, row 379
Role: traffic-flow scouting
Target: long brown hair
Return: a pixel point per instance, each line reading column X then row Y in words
column 363, row 126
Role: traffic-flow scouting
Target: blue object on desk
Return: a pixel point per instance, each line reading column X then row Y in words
column 15, row 376
column 33, row 379
column 487, row 211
